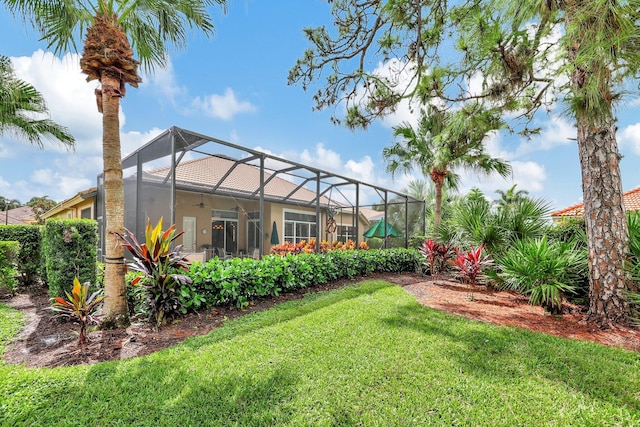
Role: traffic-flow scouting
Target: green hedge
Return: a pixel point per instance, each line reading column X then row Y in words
column 70, row 250
column 30, row 260
column 238, row 281
column 8, row 259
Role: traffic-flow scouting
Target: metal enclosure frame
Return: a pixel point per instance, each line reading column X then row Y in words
column 176, row 145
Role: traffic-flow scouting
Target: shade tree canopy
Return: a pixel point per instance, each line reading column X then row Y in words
column 513, row 55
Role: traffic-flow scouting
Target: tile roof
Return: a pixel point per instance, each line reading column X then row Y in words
column 21, row 215
column 631, row 203
column 243, row 180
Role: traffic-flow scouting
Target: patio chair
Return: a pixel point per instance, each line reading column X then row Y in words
column 222, row 255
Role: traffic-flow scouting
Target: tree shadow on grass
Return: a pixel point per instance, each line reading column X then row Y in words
column 505, row 354
column 285, row 312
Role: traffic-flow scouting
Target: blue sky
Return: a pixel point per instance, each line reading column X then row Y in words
column 234, row 87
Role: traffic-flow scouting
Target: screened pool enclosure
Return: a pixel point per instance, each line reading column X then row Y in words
column 235, row 201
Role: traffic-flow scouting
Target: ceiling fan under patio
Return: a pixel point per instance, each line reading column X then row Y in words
column 201, row 204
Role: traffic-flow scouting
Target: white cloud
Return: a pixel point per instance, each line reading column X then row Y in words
column 223, row 107
column 58, row 172
column 163, row 82
column 321, row 158
column 558, row 131
column 131, row 141
column 70, row 99
column 59, row 186
column 629, row 137
column 528, row 175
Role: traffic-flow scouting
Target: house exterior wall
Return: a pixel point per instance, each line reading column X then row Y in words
column 75, row 208
column 187, row 205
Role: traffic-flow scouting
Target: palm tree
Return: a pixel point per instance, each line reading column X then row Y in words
column 445, row 141
column 510, row 197
column 425, row 190
column 108, row 57
column 8, row 204
column 22, row 110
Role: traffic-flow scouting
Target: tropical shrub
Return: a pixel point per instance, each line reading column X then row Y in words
column 475, row 221
column 160, row 265
column 568, row 230
column 574, row 231
column 436, row 254
column 8, row 272
column 469, row 265
column 238, row 281
column 78, row 306
column 545, row 271
column 30, row 263
column 70, row 250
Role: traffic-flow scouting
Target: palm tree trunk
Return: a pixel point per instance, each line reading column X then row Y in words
column 115, row 301
column 605, row 220
column 437, row 215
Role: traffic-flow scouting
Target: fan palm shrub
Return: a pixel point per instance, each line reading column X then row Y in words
column 473, row 222
column 476, row 221
column 573, row 230
column 543, row 270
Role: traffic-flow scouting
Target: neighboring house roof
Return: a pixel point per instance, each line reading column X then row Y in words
column 371, row 214
column 71, row 202
column 21, row 215
column 230, row 177
column 631, row 203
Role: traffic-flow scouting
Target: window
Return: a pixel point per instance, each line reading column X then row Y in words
column 346, row 232
column 299, row 226
column 85, row 213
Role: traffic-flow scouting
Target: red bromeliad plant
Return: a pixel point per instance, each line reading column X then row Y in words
column 78, row 306
column 470, row 264
column 159, row 264
column 437, row 255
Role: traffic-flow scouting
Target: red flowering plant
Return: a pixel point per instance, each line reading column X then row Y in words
column 436, row 254
column 469, row 265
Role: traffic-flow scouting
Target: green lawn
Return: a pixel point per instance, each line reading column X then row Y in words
column 365, row 355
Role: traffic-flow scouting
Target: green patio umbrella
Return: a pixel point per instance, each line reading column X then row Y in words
column 377, row 230
column 275, row 240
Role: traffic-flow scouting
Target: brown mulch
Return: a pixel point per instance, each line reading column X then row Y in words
column 50, row 341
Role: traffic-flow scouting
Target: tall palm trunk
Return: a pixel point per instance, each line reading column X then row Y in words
column 108, row 57
column 438, row 178
column 605, row 220
column 115, row 302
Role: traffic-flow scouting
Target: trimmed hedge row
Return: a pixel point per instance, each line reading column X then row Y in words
column 238, row 281
column 70, row 250
column 8, row 259
column 30, row 261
